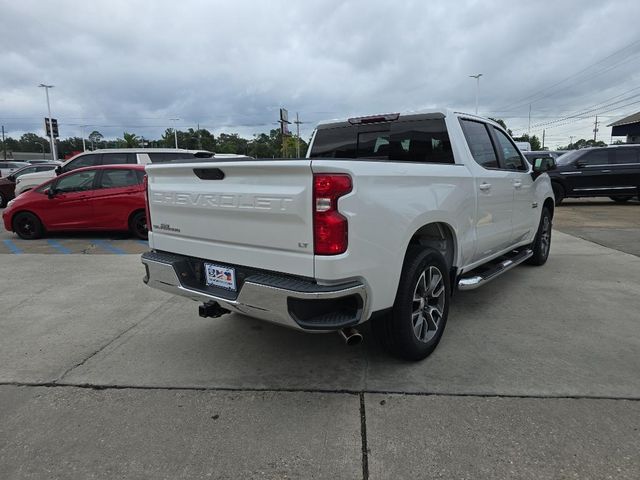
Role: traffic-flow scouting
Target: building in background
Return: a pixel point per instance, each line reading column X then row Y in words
column 627, row 126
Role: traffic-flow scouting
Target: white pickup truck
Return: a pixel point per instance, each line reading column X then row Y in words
column 382, row 220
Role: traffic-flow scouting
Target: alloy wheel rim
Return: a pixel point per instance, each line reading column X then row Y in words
column 545, row 236
column 428, row 304
column 26, row 226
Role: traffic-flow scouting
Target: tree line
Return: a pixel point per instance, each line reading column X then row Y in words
column 262, row 145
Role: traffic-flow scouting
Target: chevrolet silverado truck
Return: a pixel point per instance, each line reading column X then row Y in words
column 385, row 217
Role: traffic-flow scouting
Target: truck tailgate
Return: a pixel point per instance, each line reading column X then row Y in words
column 250, row 212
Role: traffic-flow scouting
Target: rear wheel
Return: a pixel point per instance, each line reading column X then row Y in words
column 621, row 198
column 417, row 320
column 558, row 192
column 138, row 225
column 27, row 226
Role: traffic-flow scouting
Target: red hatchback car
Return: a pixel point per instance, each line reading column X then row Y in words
column 110, row 197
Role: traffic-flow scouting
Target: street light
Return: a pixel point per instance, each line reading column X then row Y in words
column 477, row 77
column 54, row 154
column 41, row 147
column 175, row 133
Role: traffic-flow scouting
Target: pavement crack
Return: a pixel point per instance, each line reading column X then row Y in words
column 110, row 342
column 363, row 434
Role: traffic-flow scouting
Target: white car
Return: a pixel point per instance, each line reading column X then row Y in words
column 9, row 166
column 109, row 157
column 386, row 216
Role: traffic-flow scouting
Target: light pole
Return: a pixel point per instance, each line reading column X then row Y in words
column 54, row 155
column 175, row 132
column 84, row 146
column 477, row 77
column 41, row 147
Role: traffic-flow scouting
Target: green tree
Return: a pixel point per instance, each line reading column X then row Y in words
column 69, row 146
column 95, row 138
column 533, row 141
column 131, row 140
column 30, row 142
column 582, row 143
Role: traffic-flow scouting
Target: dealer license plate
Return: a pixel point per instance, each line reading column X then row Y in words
column 219, row 276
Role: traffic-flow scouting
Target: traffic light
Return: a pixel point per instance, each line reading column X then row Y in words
column 54, row 125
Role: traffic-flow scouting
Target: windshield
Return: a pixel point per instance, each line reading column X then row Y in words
column 568, row 158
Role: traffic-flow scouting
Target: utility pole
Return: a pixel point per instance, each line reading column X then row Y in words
column 571, row 139
column 595, row 129
column 297, row 122
column 54, row 154
column 4, row 145
column 477, row 77
column 199, row 138
column 529, row 131
column 543, row 132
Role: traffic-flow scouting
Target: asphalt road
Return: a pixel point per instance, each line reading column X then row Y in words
column 601, row 221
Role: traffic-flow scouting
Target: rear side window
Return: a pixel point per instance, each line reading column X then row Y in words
column 422, row 141
column 626, row 155
column 479, row 143
column 118, row 158
column 118, row 178
column 83, row 161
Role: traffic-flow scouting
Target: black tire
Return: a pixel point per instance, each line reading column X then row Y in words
column 621, row 198
column 399, row 332
column 3, row 200
column 138, row 225
column 542, row 243
column 27, row 226
column 558, row 192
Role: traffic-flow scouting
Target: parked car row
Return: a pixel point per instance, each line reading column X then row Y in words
column 98, row 190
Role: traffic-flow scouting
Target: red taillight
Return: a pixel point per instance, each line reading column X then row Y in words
column 145, row 182
column 330, row 229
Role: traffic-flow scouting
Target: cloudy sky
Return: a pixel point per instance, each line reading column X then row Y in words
column 133, row 65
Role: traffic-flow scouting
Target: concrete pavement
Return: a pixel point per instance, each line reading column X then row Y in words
column 305, row 406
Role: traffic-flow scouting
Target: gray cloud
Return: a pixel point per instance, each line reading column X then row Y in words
column 125, row 65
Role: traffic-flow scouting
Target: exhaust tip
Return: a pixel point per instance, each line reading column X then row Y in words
column 351, row 336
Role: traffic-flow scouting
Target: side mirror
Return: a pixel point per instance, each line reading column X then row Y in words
column 542, row 165
column 581, row 164
column 52, row 193
column 11, row 178
column 58, row 170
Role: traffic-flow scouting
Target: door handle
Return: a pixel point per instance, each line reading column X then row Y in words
column 485, row 186
column 606, row 171
column 517, row 184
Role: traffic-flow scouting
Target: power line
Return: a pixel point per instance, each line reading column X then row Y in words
column 531, row 98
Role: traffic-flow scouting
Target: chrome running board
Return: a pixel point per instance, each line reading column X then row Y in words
column 488, row 272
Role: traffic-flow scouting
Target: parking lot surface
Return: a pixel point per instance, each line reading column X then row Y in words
column 103, row 377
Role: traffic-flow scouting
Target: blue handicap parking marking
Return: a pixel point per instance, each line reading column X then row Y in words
column 58, row 246
column 13, row 248
column 107, row 246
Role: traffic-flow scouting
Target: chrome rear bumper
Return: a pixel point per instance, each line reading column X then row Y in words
column 290, row 302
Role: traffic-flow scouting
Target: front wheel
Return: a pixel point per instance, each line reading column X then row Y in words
column 3, row 200
column 417, row 320
column 27, row 226
column 542, row 243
